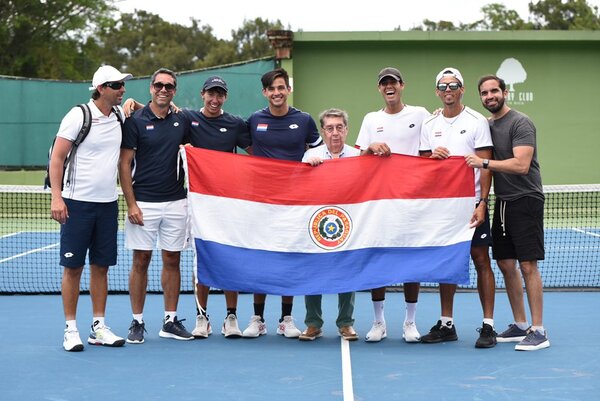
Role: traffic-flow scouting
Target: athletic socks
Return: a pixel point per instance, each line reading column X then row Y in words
column 447, row 321
column 170, row 316
column 378, row 310
column 259, row 310
column 411, row 311
column 97, row 322
column 286, row 310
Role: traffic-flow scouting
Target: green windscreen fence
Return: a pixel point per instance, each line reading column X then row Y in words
column 32, row 109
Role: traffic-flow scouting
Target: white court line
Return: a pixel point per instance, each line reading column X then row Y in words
column 29, row 252
column 11, row 234
column 585, row 232
column 348, row 390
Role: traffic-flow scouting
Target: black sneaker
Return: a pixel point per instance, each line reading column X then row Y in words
column 487, row 337
column 512, row 334
column 175, row 330
column 439, row 333
column 136, row 332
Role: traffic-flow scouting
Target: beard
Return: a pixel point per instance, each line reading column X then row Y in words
column 496, row 108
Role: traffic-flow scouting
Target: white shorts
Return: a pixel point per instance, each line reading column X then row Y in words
column 165, row 227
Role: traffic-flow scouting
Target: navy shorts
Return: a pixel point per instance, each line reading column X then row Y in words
column 93, row 226
column 482, row 235
column 518, row 229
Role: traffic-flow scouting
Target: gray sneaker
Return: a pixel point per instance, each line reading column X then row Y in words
column 136, row 332
column 533, row 341
column 511, row 335
column 175, row 330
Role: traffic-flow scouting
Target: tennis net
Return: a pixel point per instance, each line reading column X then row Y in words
column 29, row 244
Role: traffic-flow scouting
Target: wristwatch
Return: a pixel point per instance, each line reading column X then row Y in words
column 485, row 163
column 486, row 200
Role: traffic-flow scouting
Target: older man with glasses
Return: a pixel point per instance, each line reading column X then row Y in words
column 152, row 180
column 334, row 129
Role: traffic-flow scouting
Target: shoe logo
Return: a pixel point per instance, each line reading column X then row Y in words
column 68, row 255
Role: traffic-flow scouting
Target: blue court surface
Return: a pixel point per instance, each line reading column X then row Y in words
column 33, row 365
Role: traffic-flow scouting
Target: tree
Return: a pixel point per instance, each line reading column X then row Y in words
column 251, row 39
column 44, row 39
column 498, row 18
column 569, row 15
column 545, row 14
column 142, row 42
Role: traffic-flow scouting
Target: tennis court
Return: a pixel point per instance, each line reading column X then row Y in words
column 35, row 367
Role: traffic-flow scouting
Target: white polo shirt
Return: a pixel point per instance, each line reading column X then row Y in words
column 462, row 135
column 399, row 131
column 94, row 177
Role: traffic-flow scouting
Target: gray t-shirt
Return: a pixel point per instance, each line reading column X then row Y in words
column 515, row 129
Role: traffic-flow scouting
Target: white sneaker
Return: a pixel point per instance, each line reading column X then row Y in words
column 202, row 329
column 255, row 328
column 377, row 332
column 230, row 327
column 410, row 332
column 103, row 336
column 288, row 328
column 72, row 341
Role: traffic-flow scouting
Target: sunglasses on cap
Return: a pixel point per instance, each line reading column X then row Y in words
column 114, row 85
column 452, row 85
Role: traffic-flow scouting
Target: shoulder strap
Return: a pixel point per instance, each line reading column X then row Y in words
column 83, row 132
column 118, row 115
column 85, row 127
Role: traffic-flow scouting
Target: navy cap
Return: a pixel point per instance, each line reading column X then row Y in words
column 214, row 82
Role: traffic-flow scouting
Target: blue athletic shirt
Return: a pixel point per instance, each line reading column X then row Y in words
column 158, row 176
column 222, row 133
column 282, row 137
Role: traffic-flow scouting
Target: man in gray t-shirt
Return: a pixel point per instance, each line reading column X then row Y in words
column 518, row 224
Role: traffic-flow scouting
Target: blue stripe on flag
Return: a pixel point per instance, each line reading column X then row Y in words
column 285, row 273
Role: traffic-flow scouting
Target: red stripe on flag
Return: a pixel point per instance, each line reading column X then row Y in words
column 340, row 181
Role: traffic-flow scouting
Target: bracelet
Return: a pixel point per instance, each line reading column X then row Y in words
column 486, row 200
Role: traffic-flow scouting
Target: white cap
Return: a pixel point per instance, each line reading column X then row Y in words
column 449, row 72
column 108, row 73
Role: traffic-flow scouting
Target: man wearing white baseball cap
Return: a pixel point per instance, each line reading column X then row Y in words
column 459, row 130
column 86, row 207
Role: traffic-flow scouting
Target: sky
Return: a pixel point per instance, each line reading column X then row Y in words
column 320, row 15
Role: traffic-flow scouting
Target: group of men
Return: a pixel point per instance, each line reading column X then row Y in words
column 145, row 152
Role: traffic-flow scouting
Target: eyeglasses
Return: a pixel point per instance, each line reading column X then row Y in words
column 452, row 85
column 114, row 85
column 330, row 128
column 158, row 86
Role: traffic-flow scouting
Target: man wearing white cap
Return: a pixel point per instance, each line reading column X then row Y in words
column 393, row 129
column 87, row 207
column 458, row 131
